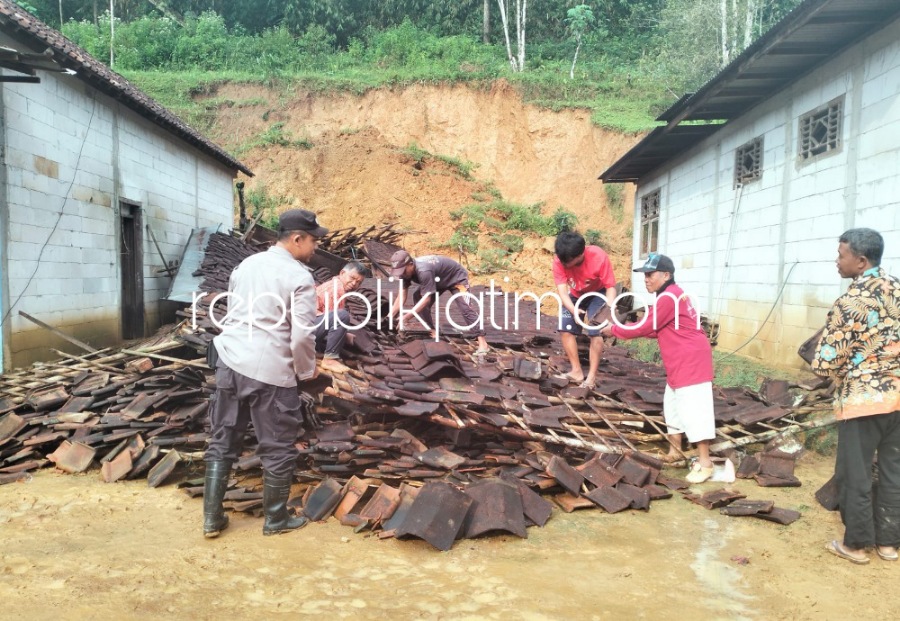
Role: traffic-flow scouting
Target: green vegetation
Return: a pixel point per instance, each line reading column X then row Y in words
column 730, row 370
column 493, row 260
column 615, row 199
column 501, row 226
column 259, row 201
column 593, row 237
column 420, row 156
column 275, row 136
column 501, row 215
column 634, row 58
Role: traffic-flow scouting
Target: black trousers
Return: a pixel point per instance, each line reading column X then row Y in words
column 869, row 521
column 331, row 333
column 274, row 410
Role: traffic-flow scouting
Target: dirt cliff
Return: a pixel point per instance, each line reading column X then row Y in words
column 358, row 170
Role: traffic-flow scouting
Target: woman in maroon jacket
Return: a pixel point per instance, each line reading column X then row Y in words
column 687, row 358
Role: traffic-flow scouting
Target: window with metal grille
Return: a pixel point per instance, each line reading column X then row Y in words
column 820, row 130
column 748, row 162
column 649, row 222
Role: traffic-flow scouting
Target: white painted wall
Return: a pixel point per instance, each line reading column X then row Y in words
column 72, row 154
column 784, row 227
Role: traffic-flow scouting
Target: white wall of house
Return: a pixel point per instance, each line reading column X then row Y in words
column 734, row 249
column 72, row 155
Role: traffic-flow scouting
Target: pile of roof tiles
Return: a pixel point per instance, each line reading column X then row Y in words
column 418, row 435
column 119, row 410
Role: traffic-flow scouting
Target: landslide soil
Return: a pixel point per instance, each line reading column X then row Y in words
column 77, row 548
column 358, row 171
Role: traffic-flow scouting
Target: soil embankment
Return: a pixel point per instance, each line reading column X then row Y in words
column 358, row 171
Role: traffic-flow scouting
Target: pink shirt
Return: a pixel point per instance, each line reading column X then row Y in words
column 328, row 291
column 594, row 274
column 685, row 350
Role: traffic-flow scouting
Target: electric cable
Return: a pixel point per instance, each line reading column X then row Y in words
column 58, row 217
column 764, row 321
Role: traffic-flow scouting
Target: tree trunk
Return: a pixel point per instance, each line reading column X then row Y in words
column 61, row 22
column 748, row 23
column 505, row 19
column 96, row 14
column 575, row 59
column 486, row 25
column 112, row 34
column 521, row 10
column 723, row 9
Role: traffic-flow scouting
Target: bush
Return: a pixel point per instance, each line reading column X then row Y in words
column 511, row 243
column 146, row 43
column 564, row 220
column 204, row 43
column 615, row 200
column 275, row 136
column 593, row 237
column 493, row 260
column 258, row 201
column 463, row 242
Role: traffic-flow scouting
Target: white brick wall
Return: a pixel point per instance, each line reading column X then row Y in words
column 78, row 277
column 813, row 205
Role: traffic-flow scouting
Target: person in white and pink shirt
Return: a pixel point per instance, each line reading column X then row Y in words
column 687, row 359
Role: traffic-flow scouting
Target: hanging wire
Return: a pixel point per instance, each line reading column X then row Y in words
column 58, row 217
column 764, row 321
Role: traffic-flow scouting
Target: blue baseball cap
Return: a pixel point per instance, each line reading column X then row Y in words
column 657, row 263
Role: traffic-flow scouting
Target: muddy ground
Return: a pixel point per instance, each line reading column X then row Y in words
column 77, row 548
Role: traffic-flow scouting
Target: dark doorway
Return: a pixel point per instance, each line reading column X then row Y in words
column 132, row 260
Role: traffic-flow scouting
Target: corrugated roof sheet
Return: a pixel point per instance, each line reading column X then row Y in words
column 807, row 37
column 24, row 27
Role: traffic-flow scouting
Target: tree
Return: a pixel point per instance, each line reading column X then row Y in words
column 700, row 37
column 517, row 62
column 579, row 19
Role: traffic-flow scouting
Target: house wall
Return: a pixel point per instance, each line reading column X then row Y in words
column 72, row 154
column 735, row 249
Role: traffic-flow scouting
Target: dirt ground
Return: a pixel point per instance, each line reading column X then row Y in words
column 357, row 172
column 78, row 548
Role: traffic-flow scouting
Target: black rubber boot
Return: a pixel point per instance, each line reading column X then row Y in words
column 214, row 485
column 275, row 497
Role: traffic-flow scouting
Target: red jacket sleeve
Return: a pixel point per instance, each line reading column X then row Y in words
column 656, row 318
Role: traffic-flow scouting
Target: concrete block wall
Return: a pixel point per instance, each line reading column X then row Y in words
column 72, row 155
column 736, row 248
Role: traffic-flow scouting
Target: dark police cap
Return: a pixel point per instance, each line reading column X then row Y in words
column 301, row 220
column 657, row 263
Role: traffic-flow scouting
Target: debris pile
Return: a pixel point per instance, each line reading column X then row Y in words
column 422, row 438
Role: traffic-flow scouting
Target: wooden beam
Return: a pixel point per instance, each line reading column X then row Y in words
column 61, row 335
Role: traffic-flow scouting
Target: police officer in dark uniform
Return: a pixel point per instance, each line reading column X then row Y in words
column 266, row 346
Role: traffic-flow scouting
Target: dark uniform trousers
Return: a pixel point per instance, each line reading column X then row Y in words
column 274, row 410
column 869, row 521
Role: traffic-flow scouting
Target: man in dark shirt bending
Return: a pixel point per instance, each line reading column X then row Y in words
column 435, row 274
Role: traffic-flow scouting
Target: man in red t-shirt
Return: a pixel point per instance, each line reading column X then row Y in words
column 585, row 281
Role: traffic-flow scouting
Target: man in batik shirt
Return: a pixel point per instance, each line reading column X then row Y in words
column 860, row 348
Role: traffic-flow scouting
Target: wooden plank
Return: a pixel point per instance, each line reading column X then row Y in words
column 58, row 333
